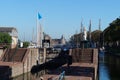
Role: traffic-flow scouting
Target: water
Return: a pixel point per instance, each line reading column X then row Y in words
column 109, row 67
column 29, row 76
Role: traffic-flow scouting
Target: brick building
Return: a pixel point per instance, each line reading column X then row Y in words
column 53, row 42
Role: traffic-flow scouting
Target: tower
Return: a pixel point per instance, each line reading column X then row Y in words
column 84, row 34
column 63, row 41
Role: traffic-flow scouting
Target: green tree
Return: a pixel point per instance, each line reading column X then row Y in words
column 95, row 35
column 25, row 44
column 76, row 38
column 5, row 38
column 111, row 33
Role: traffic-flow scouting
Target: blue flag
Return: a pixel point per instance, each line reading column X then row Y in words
column 39, row 16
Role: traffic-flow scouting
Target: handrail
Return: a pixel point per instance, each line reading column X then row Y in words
column 61, row 76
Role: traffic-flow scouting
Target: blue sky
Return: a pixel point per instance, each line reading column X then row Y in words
column 58, row 16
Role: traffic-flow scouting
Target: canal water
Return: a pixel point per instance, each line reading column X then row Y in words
column 29, row 76
column 109, row 66
column 109, row 69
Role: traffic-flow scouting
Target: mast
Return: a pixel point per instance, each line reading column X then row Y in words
column 90, row 30
column 41, row 36
column 33, row 35
column 39, row 31
column 81, row 29
column 99, row 24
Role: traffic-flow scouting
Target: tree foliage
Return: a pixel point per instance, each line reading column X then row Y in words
column 25, row 44
column 76, row 38
column 111, row 33
column 5, row 38
column 95, row 35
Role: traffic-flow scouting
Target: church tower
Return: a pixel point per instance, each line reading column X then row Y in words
column 63, row 41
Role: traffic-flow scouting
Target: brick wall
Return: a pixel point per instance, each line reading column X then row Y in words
column 26, row 65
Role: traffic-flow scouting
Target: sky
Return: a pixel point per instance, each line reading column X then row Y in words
column 59, row 17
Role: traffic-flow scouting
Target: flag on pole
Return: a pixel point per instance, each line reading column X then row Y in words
column 39, row 16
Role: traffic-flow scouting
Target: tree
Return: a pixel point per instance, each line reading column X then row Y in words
column 76, row 39
column 95, row 35
column 5, row 38
column 111, row 33
column 25, row 44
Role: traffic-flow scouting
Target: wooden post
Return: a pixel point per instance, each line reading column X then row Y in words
column 70, row 52
column 44, row 55
column 44, row 59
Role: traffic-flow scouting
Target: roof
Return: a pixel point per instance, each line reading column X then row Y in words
column 7, row 29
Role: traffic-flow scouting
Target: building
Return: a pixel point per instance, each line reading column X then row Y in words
column 49, row 42
column 13, row 33
column 60, row 41
column 46, row 42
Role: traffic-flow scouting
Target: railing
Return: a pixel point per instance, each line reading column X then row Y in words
column 60, row 77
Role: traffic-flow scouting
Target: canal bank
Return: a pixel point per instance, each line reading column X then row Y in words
column 14, row 62
column 83, row 67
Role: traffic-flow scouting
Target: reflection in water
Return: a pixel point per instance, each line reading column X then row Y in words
column 113, row 64
column 29, row 76
column 103, row 72
column 39, row 70
column 109, row 67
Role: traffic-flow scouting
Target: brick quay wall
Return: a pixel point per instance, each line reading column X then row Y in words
column 12, row 69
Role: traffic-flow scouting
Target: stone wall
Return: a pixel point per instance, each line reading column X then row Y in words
column 87, row 56
column 26, row 65
column 82, row 55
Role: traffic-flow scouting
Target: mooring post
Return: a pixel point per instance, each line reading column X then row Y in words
column 44, row 55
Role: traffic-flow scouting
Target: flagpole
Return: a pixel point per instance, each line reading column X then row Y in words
column 36, row 31
column 39, row 29
column 99, row 24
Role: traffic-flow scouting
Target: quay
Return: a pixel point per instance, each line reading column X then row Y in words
column 84, row 66
column 19, row 61
column 14, row 62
